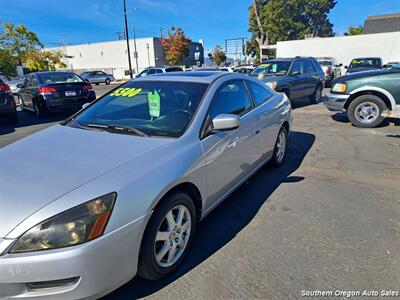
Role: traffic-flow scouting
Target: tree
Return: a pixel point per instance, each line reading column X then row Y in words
column 41, row 60
column 354, row 30
column 7, row 63
column 218, row 55
column 176, row 45
column 281, row 20
column 19, row 41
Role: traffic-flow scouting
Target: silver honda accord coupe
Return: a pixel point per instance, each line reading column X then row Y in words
column 118, row 189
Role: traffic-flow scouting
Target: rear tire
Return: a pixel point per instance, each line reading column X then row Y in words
column 366, row 111
column 40, row 111
column 280, row 148
column 317, row 95
column 175, row 240
column 108, row 81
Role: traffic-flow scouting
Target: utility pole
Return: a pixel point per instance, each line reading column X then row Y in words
column 136, row 54
column 127, row 41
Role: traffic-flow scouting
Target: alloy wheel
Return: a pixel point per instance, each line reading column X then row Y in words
column 172, row 236
column 281, row 146
column 367, row 112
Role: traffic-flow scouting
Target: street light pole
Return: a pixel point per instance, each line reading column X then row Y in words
column 148, row 54
column 127, row 41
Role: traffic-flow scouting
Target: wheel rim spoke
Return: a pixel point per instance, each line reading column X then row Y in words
column 181, row 213
column 162, row 236
column 170, row 220
column 171, row 253
column 165, row 248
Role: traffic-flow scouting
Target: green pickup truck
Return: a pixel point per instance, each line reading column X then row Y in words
column 368, row 96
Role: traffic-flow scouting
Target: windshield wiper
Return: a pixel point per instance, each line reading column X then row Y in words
column 118, row 128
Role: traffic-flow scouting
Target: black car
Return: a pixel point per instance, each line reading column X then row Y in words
column 8, row 108
column 43, row 92
column 364, row 64
column 297, row 77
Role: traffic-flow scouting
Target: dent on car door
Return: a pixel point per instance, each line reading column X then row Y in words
column 230, row 155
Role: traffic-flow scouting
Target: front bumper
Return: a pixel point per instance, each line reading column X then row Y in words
column 98, row 267
column 335, row 102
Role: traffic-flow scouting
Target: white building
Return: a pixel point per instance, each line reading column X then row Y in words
column 345, row 48
column 112, row 57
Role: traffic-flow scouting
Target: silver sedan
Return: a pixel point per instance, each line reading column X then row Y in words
column 119, row 188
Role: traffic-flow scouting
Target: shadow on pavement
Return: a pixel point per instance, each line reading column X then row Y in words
column 27, row 118
column 340, row 117
column 229, row 218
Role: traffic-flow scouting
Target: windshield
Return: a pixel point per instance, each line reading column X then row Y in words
column 325, row 62
column 153, row 107
column 56, row 78
column 365, row 62
column 272, row 68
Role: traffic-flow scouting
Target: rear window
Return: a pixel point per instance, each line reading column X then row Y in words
column 56, row 78
column 365, row 62
column 325, row 62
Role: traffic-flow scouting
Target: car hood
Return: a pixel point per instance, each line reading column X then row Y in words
column 361, row 74
column 51, row 163
column 272, row 78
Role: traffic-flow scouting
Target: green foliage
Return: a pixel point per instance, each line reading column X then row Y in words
column 176, row 45
column 7, row 63
column 354, row 30
column 19, row 46
column 218, row 55
column 41, row 60
column 284, row 20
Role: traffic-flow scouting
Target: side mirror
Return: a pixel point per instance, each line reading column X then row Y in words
column 295, row 73
column 384, row 66
column 225, row 122
column 84, row 105
column 339, row 65
column 346, row 67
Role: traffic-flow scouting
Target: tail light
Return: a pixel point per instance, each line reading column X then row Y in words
column 328, row 72
column 46, row 90
column 87, row 88
column 4, row 87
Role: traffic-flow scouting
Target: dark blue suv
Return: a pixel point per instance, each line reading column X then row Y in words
column 297, row 77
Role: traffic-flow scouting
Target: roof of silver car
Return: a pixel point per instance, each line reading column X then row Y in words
column 203, row 77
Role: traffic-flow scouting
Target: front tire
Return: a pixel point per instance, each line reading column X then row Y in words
column 280, row 148
column 366, row 111
column 108, row 81
column 167, row 237
column 40, row 111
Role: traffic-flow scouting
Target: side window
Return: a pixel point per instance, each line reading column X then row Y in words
column 151, row 71
column 157, row 71
column 32, row 82
column 260, row 94
column 308, row 67
column 297, row 67
column 231, row 98
column 100, row 73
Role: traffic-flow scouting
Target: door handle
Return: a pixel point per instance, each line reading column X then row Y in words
column 257, row 131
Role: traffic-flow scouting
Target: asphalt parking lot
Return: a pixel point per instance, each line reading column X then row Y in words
column 328, row 219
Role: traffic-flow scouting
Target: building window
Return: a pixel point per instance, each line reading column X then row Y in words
column 101, row 53
column 80, row 54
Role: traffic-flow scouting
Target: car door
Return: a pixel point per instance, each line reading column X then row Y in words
column 230, row 155
column 297, row 80
column 23, row 90
column 100, row 77
column 311, row 78
column 30, row 91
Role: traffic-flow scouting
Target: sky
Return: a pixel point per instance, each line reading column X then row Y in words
column 82, row 21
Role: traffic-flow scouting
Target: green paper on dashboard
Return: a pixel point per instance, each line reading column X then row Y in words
column 154, row 104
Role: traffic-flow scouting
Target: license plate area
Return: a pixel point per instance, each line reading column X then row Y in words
column 70, row 93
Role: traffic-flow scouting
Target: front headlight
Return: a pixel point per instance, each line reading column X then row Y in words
column 75, row 226
column 271, row 84
column 339, row 88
